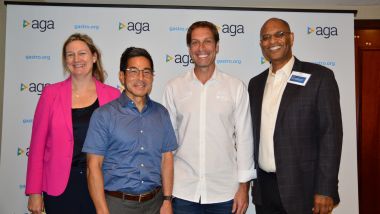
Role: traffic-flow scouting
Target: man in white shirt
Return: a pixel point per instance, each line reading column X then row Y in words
column 210, row 114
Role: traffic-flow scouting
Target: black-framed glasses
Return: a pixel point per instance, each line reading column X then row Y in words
column 278, row 35
column 134, row 72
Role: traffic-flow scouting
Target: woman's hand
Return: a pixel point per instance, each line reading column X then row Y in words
column 36, row 203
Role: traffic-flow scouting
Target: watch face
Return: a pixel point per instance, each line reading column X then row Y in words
column 169, row 198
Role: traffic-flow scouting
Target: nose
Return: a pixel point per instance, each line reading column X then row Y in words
column 272, row 39
column 140, row 76
column 76, row 57
column 201, row 46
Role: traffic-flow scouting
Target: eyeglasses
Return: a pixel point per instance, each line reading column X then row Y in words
column 278, row 35
column 134, row 72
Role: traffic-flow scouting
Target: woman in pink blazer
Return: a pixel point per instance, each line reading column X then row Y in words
column 56, row 165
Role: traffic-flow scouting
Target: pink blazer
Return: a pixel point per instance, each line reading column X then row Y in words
column 51, row 146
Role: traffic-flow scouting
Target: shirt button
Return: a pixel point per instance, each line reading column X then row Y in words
column 142, row 164
column 201, row 176
column 132, row 102
column 140, row 115
column 204, row 90
column 141, row 131
column 201, row 141
column 201, row 159
column 142, row 148
column 203, row 107
column 142, row 182
column 202, row 124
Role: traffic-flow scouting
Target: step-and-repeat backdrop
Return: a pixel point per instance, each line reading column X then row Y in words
column 35, row 35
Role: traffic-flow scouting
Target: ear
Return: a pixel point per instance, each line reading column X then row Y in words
column 291, row 39
column 217, row 47
column 121, row 78
column 94, row 57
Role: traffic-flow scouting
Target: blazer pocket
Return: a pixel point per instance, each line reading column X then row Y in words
column 308, row 166
column 46, row 156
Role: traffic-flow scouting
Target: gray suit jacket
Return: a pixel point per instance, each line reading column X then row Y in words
column 307, row 137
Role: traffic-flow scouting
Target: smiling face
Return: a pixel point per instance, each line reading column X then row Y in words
column 277, row 50
column 136, row 87
column 202, row 48
column 79, row 59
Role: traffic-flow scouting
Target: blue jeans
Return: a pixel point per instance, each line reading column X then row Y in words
column 181, row 206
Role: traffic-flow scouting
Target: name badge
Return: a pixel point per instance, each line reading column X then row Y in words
column 299, row 78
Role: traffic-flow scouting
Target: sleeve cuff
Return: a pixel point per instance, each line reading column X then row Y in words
column 246, row 175
column 171, row 148
column 93, row 151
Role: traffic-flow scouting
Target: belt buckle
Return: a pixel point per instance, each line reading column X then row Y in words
column 140, row 198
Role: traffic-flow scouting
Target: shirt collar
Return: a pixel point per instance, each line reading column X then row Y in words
column 287, row 69
column 216, row 75
column 124, row 99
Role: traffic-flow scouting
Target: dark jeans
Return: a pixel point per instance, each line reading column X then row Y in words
column 271, row 200
column 181, row 206
column 75, row 199
column 122, row 206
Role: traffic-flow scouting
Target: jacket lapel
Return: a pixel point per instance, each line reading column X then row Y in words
column 66, row 94
column 102, row 94
column 288, row 92
column 258, row 97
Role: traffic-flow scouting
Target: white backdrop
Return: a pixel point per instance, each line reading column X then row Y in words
column 35, row 35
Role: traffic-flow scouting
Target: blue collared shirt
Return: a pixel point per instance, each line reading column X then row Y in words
column 131, row 142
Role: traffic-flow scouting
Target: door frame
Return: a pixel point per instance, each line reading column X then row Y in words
column 365, row 24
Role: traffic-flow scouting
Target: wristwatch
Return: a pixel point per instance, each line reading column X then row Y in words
column 169, row 198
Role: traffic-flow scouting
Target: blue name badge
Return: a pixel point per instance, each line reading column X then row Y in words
column 299, row 78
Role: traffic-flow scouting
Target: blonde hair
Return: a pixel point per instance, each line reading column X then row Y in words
column 97, row 70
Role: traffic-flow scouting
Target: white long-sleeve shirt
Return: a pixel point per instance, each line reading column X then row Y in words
column 213, row 126
column 274, row 88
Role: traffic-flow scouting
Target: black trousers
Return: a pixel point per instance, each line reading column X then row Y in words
column 75, row 199
column 270, row 195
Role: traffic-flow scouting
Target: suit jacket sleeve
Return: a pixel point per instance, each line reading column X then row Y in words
column 37, row 144
column 330, row 136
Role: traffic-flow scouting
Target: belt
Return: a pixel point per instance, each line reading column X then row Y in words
column 132, row 197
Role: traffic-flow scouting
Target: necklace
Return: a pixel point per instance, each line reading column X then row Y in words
column 80, row 94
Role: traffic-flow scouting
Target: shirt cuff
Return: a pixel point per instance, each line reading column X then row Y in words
column 171, row 148
column 93, row 151
column 246, row 175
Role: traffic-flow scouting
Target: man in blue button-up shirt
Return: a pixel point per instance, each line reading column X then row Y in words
column 129, row 144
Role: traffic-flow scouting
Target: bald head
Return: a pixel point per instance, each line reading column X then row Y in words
column 274, row 20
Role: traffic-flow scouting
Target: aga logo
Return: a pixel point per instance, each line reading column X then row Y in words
column 231, row 29
column 42, row 25
column 263, row 60
column 138, row 26
column 326, row 32
column 121, row 89
column 34, row 87
column 168, row 58
column 20, row 151
column 180, row 59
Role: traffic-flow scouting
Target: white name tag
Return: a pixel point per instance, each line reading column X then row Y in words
column 299, row 78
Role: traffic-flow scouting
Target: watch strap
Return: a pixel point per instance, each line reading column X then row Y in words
column 169, row 198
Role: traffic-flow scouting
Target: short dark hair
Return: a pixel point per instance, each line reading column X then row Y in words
column 202, row 24
column 132, row 52
column 285, row 23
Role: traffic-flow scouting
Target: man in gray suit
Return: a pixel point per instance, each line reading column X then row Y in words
column 297, row 129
